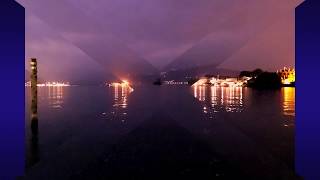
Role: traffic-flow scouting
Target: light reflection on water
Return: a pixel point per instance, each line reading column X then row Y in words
column 120, row 102
column 231, row 99
column 55, row 96
column 107, row 108
column 220, row 99
column 288, row 101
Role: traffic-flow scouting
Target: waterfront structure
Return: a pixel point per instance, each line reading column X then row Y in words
column 223, row 82
column 49, row 84
column 287, row 76
column 122, row 84
column 173, row 82
column 202, row 81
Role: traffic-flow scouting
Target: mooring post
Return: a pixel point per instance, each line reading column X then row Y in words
column 33, row 157
column 34, row 89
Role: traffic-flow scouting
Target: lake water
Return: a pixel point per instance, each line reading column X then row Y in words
column 91, row 132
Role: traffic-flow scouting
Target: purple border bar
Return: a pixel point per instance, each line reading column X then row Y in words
column 307, row 85
column 12, row 55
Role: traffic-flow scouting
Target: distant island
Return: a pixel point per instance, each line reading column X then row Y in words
column 270, row 80
column 262, row 80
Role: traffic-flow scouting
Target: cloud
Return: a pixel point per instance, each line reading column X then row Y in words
column 158, row 31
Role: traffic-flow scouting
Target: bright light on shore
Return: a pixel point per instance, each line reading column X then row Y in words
column 50, row 84
column 122, row 84
column 287, row 75
column 226, row 82
column 125, row 82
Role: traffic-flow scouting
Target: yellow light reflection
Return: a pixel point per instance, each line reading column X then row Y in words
column 288, row 101
column 121, row 93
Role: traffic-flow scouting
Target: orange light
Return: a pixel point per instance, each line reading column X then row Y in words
column 125, row 82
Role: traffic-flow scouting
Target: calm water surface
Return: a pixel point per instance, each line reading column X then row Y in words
column 85, row 132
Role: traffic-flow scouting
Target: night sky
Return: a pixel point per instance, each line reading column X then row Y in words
column 81, row 38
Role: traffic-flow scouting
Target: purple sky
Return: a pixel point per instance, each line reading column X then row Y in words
column 124, row 36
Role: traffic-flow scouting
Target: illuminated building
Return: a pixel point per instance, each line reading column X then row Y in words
column 287, row 76
column 200, row 82
column 59, row 84
column 49, row 84
column 225, row 82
